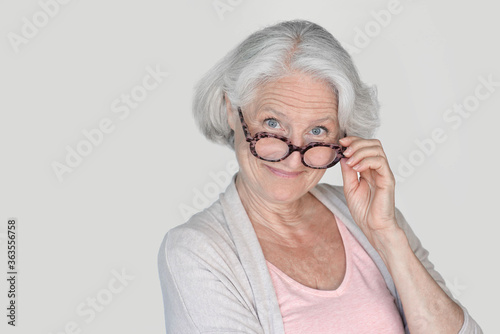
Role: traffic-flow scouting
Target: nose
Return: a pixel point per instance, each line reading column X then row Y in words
column 293, row 162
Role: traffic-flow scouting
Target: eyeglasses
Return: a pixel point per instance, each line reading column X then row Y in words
column 271, row 147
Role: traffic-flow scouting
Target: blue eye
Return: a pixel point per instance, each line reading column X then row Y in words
column 272, row 123
column 319, row 130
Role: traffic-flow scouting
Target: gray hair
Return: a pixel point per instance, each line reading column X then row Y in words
column 276, row 52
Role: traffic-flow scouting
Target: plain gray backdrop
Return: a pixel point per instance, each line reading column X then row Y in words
column 89, row 233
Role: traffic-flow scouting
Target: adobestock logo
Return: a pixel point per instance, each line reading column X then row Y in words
column 454, row 117
column 210, row 191
column 223, row 6
column 97, row 303
column 381, row 19
column 455, row 287
column 31, row 28
column 121, row 106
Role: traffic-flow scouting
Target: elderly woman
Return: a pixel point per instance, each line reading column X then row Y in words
column 278, row 252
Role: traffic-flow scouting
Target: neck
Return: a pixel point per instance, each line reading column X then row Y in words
column 290, row 224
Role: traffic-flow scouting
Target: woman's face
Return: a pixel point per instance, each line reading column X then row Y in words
column 297, row 107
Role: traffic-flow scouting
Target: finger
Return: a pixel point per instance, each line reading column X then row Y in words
column 355, row 143
column 365, row 152
column 383, row 175
column 346, row 141
column 349, row 177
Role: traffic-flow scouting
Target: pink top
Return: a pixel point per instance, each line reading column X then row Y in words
column 361, row 304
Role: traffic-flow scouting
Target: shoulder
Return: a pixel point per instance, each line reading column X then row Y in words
column 203, row 283
column 204, row 237
column 206, row 224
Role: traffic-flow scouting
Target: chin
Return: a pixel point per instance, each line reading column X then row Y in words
column 281, row 194
column 283, row 188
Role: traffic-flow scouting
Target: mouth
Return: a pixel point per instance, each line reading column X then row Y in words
column 282, row 173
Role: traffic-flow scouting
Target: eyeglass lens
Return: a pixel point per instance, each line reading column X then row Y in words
column 273, row 149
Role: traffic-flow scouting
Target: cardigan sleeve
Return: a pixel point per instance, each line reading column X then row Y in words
column 469, row 326
column 198, row 295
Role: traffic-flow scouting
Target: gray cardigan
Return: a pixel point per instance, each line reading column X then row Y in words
column 214, row 276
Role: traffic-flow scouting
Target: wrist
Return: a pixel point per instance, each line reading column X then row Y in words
column 390, row 243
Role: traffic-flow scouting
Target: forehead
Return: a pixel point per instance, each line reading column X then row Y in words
column 297, row 96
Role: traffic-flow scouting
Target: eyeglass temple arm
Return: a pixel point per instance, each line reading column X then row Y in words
column 342, row 148
column 244, row 126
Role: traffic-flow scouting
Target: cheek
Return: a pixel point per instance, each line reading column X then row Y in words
column 317, row 174
column 243, row 154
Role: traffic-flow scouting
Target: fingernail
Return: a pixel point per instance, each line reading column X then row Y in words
column 356, row 167
column 349, row 161
column 348, row 151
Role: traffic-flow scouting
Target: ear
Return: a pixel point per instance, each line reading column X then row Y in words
column 230, row 113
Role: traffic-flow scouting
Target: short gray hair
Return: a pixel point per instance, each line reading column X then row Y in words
column 276, row 52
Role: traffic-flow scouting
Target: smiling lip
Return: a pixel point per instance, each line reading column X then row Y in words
column 282, row 173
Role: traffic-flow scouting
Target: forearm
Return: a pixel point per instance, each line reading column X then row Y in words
column 428, row 309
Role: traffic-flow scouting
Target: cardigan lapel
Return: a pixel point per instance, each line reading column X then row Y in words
column 253, row 260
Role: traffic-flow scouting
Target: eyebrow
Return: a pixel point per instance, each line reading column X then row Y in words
column 282, row 115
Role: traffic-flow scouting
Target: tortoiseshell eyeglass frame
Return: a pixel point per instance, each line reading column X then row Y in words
column 291, row 148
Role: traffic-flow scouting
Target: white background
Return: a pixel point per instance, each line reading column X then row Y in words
column 111, row 212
